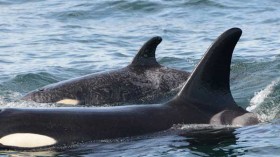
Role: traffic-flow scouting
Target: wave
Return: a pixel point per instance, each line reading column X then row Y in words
column 266, row 103
column 103, row 9
column 112, row 9
column 205, row 3
column 26, row 82
column 260, row 96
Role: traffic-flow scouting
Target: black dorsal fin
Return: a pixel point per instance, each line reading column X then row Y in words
column 146, row 55
column 208, row 86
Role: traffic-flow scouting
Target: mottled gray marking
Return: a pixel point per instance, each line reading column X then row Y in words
column 143, row 81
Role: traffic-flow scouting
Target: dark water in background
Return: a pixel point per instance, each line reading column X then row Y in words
column 43, row 42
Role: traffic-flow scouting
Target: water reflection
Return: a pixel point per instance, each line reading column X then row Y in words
column 208, row 142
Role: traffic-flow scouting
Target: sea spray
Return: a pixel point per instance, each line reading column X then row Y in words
column 264, row 103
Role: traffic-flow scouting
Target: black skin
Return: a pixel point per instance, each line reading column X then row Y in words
column 68, row 125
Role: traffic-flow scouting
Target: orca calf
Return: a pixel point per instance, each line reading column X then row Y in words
column 143, row 81
column 205, row 99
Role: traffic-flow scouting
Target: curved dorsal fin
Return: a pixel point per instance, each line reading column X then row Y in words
column 146, row 55
column 208, row 86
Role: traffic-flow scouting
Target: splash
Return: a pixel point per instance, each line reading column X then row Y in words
column 12, row 100
column 5, row 101
column 265, row 103
column 23, row 104
column 260, row 96
column 202, row 126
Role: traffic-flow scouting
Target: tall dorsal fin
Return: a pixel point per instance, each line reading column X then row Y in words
column 146, row 55
column 208, row 86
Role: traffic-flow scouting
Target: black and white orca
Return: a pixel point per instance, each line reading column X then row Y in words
column 204, row 99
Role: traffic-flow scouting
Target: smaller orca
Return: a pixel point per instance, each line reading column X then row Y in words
column 143, row 81
column 204, row 99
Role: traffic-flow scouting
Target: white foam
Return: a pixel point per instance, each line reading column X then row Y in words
column 7, row 103
column 268, row 113
column 24, row 104
column 260, row 96
column 202, row 126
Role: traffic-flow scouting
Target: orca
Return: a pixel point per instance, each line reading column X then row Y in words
column 142, row 81
column 205, row 98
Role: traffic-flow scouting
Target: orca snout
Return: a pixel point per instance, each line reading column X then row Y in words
column 33, row 96
column 27, row 97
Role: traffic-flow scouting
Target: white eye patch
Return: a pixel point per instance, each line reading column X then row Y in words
column 27, row 140
column 68, row 102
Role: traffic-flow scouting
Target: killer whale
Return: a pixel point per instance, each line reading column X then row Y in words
column 142, row 81
column 205, row 98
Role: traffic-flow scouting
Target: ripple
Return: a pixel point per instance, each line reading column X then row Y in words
column 27, row 82
column 57, row 40
column 207, row 3
column 143, row 6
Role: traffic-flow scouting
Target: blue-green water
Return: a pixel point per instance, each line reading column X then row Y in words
column 43, row 42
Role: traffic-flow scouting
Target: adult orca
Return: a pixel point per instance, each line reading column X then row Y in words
column 142, row 81
column 205, row 99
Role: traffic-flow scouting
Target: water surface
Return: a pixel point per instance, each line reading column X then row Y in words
column 43, row 42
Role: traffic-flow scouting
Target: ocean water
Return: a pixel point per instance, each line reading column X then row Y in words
column 43, row 42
